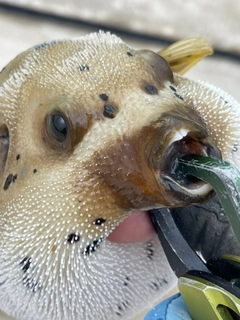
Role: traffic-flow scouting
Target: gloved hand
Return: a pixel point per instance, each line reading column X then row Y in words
column 173, row 308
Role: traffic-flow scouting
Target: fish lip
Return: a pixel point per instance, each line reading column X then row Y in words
column 185, row 142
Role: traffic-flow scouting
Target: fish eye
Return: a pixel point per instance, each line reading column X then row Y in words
column 57, row 129
column 62, row 131
column 59, row 126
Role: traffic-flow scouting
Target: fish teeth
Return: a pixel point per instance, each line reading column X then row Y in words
column 201, row 191
column 205, row 188
column 198, row 191
column 178, row 135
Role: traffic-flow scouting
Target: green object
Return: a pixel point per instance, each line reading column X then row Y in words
column 225, row 180
column 208, row 301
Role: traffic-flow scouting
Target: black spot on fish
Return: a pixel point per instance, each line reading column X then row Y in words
column 34, row 170
column 14, row 178
column 25, row 264
column 92, row 247
column 178, row 96
column 1, row 283
column 118, row 313
column 99, row 221
column 8, row 181
column 73, row 237
column 150, row 250
column 41, row 46
column 109, row 111
column 44, row 45
column 172, row 88
column 127, row 280
column 18, row 157
column 151, row 89
column 103, row 96
column 224, row 100
column 129, row 54
column 84, row 67
column 2, row 70
column 235, row 147
column 121, row 307
column 29, row 281
column 157, row 285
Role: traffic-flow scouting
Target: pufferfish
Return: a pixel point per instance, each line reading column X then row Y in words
column 90, row 133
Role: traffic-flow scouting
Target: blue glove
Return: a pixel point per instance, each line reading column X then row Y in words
column 173, row 308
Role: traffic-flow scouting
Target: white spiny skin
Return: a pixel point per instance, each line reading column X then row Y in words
column 55, row 261
column 219, row 111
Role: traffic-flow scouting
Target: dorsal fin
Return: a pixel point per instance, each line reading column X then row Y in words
column 184, row 54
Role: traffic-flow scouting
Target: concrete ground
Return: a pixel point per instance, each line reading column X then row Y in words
column 142, row 24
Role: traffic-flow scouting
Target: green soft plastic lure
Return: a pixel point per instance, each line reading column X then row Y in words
column 225, row 180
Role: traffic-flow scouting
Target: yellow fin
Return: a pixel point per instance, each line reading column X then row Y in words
column 184, row 54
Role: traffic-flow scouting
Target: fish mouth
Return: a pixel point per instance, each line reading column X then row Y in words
column 185, row 142
column 190, row 189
